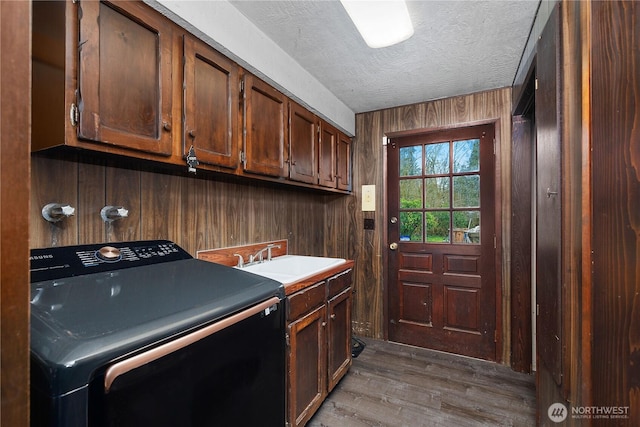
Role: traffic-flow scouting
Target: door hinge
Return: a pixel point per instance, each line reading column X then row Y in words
column 288, row 340
column 243, row 157
column 495, row 335
column 241, row 86
column 494, row 146
column 385, row 141
column 536, row 83
column 495, row 242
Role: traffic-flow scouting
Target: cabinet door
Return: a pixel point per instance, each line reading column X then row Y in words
column 303, row 133
column 124, row 94
column 211, row 101
column 307, row 365
column 265, row 128
column 327, row 155
column 339, row 337
column 343, row 162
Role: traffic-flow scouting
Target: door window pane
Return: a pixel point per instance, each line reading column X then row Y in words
column 437, row 224
column 437, row 158
column 436, row 192
column 466, row 191
column 411, row 161
column 466, row 156
column 411, row 226
column 411, row 194
column 466, row 227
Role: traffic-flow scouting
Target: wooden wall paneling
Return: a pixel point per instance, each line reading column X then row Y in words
column 572, row 219
column 368, row 297
column 55, row 181
column 197, row 222
column 123, row 189
column 521, row 186
column 91, row 198
column 161, row 207
column 615, row 114
column 15, row 113
column 209, row 219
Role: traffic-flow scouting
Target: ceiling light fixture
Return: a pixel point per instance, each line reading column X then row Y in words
column 381, row 23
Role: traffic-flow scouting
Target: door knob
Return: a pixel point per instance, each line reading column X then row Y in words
column 393, row 220
column 393, row 246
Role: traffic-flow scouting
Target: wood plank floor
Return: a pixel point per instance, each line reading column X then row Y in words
column 396, row 385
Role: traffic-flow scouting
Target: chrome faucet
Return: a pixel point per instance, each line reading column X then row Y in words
column 258, row 256
column 240, row 260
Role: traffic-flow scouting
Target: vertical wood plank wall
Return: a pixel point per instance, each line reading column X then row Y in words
column 196, row 213
column 368, row 168
column 615, row 171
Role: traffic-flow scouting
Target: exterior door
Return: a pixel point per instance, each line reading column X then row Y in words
column 441, row 231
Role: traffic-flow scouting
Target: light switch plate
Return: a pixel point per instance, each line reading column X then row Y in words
column 369, row 198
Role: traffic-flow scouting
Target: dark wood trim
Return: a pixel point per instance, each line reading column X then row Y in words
column 521, row 187
column 15, row 164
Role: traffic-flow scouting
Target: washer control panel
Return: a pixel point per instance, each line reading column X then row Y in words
column 68, row 261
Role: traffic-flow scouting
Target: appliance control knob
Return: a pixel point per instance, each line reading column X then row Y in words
column 109, row 254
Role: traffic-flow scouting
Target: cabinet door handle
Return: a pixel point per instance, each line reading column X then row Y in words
column 192, row 133
column 166, row 126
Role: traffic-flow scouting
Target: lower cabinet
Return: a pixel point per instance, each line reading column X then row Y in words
column 319, row 337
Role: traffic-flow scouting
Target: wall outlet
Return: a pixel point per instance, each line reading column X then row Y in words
column 369, row 224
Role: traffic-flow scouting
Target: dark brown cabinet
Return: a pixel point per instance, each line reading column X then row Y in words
column 124, row 83
column 303, row 134
column 339, row 328
column 210, row 110
column 319, row 337
column 265, row 121
column 307, row 360
column 139, row 85
column 105, row 87
column 327, row 155
column 343, row 163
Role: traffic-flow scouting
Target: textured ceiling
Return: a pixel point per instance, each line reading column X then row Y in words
column 458, row 47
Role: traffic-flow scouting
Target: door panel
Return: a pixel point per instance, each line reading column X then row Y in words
column 442, row 290
column 548, row 197
column 266, row 117
column 210, row 106
column 125, row 106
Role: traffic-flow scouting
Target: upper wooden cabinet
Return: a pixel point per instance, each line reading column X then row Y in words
column 210, row 110
column 327, row 155
column 265, row 121
column 303, row 135
column 124, row 76
column 334, row 158
column 343, row 163
column 118, row 77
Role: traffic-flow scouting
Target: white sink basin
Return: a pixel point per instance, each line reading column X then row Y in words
column 288, row 269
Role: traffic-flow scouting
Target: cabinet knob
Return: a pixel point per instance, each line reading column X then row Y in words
column 393, row 246
column 192, row 133
column 166, row 126
column 333, row 316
